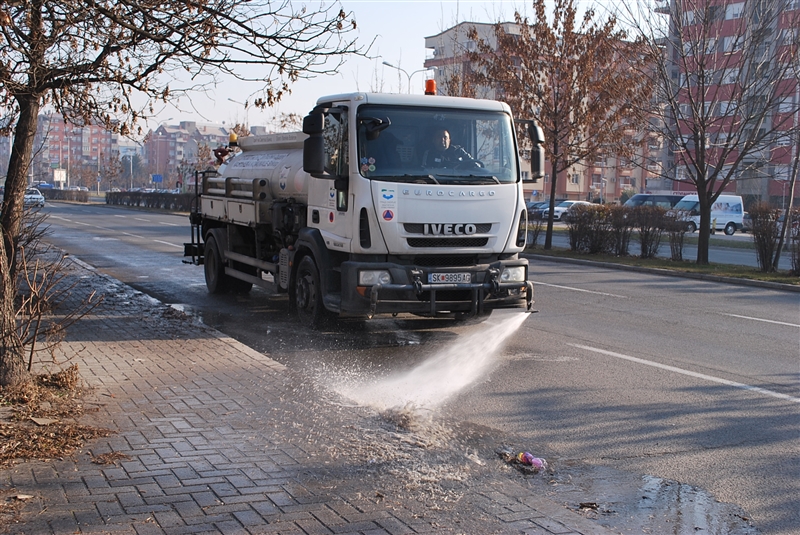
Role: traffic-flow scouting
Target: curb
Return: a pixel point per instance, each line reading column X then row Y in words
column 669, row 273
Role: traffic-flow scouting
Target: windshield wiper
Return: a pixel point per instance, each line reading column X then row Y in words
column 473, row 179
column 411, row 179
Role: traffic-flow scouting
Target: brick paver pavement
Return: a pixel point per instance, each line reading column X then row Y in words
column 214, row 437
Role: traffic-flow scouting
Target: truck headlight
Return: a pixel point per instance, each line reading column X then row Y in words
column 373, row 277
column 513, row 274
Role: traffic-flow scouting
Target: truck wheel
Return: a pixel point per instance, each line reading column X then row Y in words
column 308, row 294
column 691, row 227
column 730, row 228
column 216, row 280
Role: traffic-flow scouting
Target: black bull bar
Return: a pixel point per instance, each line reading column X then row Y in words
column 479, row 291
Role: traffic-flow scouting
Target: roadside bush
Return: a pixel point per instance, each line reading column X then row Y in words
column 180, row 202
column 535, row 226
column 650, row 221
column 620, row 228
column 766, row 231
column 589, row 229
column 65, row 195
column 675, row 225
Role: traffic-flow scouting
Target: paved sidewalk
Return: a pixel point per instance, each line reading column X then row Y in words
column 215, row 437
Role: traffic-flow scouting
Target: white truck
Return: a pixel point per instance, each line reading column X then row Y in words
column 345, row 217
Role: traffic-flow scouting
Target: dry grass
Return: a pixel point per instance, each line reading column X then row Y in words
column 39, row 420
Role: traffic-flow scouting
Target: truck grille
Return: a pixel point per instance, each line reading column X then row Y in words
column 419, row 228
column 447, row 242
column 446, row 261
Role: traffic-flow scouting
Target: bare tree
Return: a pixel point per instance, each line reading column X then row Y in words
column 578, row 76
column 111, row 171
column 94, row 60
column 726, row 94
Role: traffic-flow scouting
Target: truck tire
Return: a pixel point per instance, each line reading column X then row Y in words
column 213, row 266
column 307, row 295
column 730, row 229
column 691, row 227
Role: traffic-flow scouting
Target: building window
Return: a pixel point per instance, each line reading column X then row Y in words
column 734, row 11
column 576, row 178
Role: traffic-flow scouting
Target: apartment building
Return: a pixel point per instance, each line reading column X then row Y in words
column 81, row 152
column 733, row 64
column 170, row 150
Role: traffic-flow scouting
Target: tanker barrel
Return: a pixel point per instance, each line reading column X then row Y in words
column 242, row 193
column 259, row 196
column 260, row 189
column 208, row 182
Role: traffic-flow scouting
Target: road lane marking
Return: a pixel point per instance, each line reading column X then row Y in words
column 761, row 319
column 580, row 290
column 133, row 235
column 690, row 373
column 141, row 219
column 170, row 244
column 172, row 224
column 84, row 224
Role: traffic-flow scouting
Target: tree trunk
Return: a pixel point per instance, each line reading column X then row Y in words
column 13, row 369
column 703, row 238
column 548, row 238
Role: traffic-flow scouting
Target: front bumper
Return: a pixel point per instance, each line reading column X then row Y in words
column 410, row 293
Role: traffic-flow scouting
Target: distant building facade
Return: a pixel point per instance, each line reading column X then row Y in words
column 731, row 37
column 81, row 152
column 171, row 151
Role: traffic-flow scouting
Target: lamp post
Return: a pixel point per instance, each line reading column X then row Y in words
column 405, row 72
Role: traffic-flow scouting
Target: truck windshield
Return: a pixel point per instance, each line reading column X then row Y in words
column 436, row 145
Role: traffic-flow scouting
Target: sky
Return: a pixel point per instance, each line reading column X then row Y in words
column 398, row 29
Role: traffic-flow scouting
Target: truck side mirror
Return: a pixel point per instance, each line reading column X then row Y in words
column 325, row 149
column 314, row 145
column 314, row 123
column 537, row 148
column 314, row 155
column 537, row 151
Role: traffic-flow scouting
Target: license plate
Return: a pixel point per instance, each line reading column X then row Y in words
column 444, row 278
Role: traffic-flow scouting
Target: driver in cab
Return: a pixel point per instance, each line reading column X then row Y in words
column 443, row 154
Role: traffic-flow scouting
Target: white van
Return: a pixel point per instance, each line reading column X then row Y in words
column 726, row 213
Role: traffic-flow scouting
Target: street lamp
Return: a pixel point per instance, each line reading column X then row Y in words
column 406, row 73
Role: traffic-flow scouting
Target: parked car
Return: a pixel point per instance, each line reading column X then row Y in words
column 747, row 222
column 535, row 209
column 794, row 231
column 33, row 197
column 561, row 209
column 727, row 212
column 647, row 199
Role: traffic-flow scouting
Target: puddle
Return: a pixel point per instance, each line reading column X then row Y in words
column 629, row 503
